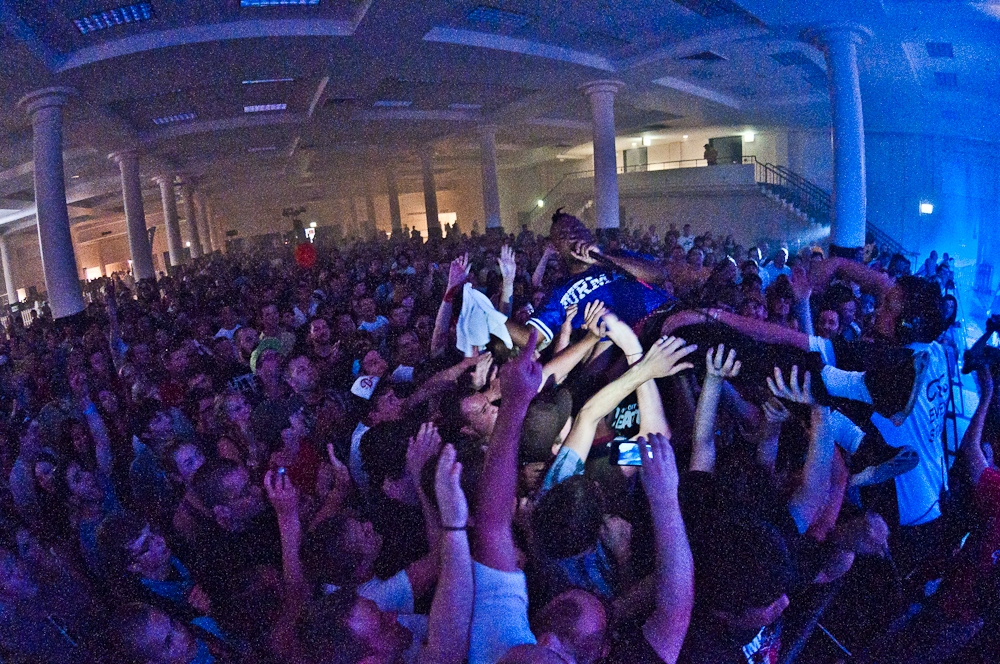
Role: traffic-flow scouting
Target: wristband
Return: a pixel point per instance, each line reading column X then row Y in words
column 449, row 295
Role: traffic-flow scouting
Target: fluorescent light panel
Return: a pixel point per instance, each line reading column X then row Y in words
column 256, row 81
column 109, row 18
column 391, row 103
column 169, row 119
column 278, row 3
column 264, row 108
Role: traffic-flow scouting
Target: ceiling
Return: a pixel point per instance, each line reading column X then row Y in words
column 362, row 81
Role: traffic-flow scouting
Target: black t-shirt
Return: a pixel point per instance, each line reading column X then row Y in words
column 404, row 536
column 633, row 649
column 710, row 642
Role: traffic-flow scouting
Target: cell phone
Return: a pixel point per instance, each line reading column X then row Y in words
column 281, row 470
column 624, row 452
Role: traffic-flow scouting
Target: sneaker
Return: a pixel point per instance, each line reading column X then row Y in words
column 905, row 460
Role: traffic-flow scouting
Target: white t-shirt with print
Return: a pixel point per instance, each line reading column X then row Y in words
column 919, row 490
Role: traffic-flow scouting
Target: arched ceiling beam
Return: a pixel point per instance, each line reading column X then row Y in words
column 197, row 34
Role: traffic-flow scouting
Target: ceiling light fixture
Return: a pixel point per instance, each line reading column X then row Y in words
column 169, row 119
column 749, row 137
column 278, row 3
column 684, row 138
column 264, row 108
column 312, row 224
column 391, row 103
column 540, row 203
column 257, row 81
column 109, row 18
column 647, row 141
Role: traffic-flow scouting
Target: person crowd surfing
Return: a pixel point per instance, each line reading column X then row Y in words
column 492, row 449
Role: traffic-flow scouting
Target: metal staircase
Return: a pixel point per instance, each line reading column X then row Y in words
column 810, row 202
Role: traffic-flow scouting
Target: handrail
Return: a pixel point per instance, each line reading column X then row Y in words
column 816, row 199
column 656, row 166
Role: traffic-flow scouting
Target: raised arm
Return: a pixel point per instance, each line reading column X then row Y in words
column 425, row 445
column 665, row 358
column 508, row 270
column 801, row 310
column 539, row 273
column 98, row 430
column 458, row 272
column 666, row 628
column 284, row 499
column 719, row 367
column 451, row 610
column 497, row 490
column 564, row 361
column 759, row 330
column 565, row 330
column 971, row 450
column 808, row 501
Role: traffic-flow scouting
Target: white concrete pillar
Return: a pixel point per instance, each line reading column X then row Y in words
column 371, row 229
column 135, row 215
column 8, row 270
column 850, row 205
column 204, row 231
column 213, row 229
column 430, row 193
column 395, row 215
column 187, row 191
column 601, row 95
column 62, row 281
column 355, row 227
column 175, row 246
column 491, row 190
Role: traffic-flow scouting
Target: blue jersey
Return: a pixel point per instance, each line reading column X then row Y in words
column 629, row 299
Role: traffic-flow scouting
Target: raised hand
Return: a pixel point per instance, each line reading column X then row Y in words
column 775, row 411
column 801, row 286
column 481, row 373
column 620, row 334
column 659, row 467
column 459, row 271
column 718, row 364
column 452, row 505
column 585, row 252
column 666, row 357
column 422, row 447
column 520, row 378
column 592, row 315
column 567, row 325
column 282, row 494
column 793, row 391
column 508, row 267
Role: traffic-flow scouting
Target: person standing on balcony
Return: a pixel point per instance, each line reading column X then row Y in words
column 711, row 154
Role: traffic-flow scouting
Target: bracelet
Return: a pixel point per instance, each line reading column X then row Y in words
column 449, row 295
column 454, row 528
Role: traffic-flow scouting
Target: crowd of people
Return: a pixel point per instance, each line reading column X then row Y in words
column 499, row 449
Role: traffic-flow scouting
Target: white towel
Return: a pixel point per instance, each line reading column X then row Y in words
column 478, row 321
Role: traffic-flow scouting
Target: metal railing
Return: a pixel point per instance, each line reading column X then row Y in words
column 551, row 195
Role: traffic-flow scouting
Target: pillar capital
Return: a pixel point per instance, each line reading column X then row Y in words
column 602, row 86
column 164, row 179
column 45, row 98
column 119, row 156
column 821, row 35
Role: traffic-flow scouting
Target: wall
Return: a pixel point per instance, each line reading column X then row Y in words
column 959, row 177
